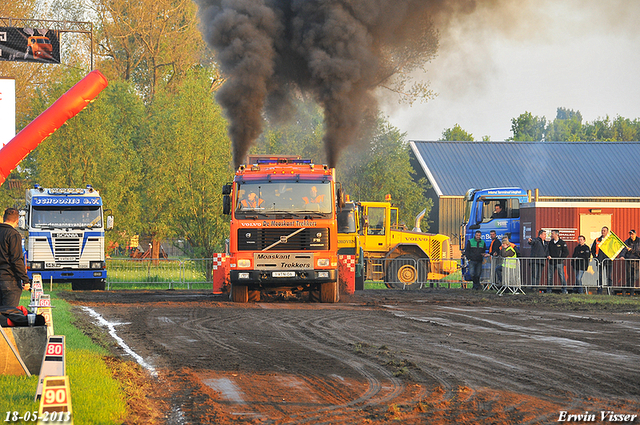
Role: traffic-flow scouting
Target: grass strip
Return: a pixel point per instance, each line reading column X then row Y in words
column 96, row 397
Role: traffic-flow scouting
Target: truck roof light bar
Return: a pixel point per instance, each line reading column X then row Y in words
column 283, row 161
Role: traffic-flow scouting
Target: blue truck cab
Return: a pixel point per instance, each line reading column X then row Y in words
column 66, row 236
column 480, row 213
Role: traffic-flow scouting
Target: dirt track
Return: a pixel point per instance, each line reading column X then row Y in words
column 439, row 356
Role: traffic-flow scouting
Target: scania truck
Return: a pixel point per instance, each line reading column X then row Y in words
column 283, row 229
column 66, row 236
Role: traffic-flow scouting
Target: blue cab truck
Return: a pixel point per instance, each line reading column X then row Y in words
column 66, row 236
column 479, row 207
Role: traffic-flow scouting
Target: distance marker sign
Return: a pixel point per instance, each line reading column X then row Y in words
column 55, row 404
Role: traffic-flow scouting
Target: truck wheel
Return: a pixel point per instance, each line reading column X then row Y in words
column 360, row 282
column 239, row 293
column 404, row 274
column 314, row 296
column 254, row 296
column 87, row 285
column 329, row 292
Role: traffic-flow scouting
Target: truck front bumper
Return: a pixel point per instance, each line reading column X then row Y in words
column 69, row 275
column 271, row 279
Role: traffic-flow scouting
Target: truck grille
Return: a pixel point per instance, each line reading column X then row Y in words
column 306, row 240
column 66, row 250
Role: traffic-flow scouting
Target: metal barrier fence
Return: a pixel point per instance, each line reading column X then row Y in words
column 171, row 273
column 620, row 275
column 564, row 275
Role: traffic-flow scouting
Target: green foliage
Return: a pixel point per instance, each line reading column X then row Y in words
column 456, row 134
column 188, row 159
column 380, row 166
column 97, row 147
column 568, row 127
column 527, row 128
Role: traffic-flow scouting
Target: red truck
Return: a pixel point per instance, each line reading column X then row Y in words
column 283, row 229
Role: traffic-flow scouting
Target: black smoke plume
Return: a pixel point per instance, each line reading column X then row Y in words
column 339, row 51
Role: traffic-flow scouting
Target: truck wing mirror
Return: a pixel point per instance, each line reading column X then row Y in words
column 226, row 189
column 226, row 205
column 22, row 222
column 109, row 225
column 340, row 196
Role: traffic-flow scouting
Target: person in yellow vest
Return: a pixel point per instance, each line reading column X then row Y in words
column 252, row 201
column 605, row 264
column 506, row 272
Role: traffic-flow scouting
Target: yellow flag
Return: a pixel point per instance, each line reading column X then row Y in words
column 611, row 245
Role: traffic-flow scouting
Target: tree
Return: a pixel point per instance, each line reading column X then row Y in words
column 188, row 159
column 527, row 128
column 380, row 165
column 566, row 127
column 148, row 42
column 97, row 147
column 456, row 134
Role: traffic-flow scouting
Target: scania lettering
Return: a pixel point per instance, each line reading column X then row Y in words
column 66, row 236
column 283, row 229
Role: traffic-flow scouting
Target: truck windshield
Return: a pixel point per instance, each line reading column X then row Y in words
column 56, row 217
column 284, row 197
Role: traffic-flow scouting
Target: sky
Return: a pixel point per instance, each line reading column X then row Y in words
column 496, row 63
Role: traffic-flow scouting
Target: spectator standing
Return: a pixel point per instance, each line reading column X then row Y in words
column 13, row 274
column 475, row 251
column 581, row 256
column 539, row 253
column 605, row 265
column 633, row 257
column 558, row 251
column 494, row 246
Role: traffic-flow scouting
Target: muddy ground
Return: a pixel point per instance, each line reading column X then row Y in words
column 432, row 356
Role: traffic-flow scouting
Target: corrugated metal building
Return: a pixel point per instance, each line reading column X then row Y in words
column 561, row 171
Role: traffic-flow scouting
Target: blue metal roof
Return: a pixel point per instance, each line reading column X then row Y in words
column 562, row 169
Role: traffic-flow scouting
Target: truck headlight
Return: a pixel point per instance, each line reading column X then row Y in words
column 323, row 274
column 37, row 265
column 243, row 275
column 96, row 265
column 244, row 263
column 323, row 262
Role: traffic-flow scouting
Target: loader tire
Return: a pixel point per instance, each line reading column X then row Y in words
column 404, row 274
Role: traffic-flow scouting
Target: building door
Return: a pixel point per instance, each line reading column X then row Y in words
column 592, row 224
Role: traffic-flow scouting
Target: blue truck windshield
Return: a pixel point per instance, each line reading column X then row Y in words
column 56, row 217
column 284, row 197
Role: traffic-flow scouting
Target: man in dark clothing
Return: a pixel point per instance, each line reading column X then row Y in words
column 632, row 258
column 475, row 250
column 13, row 274
column 539, row 253
column 558, row 251
column 494, row 246
column 581, row 255
column 605, row 265
column 498, row 212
